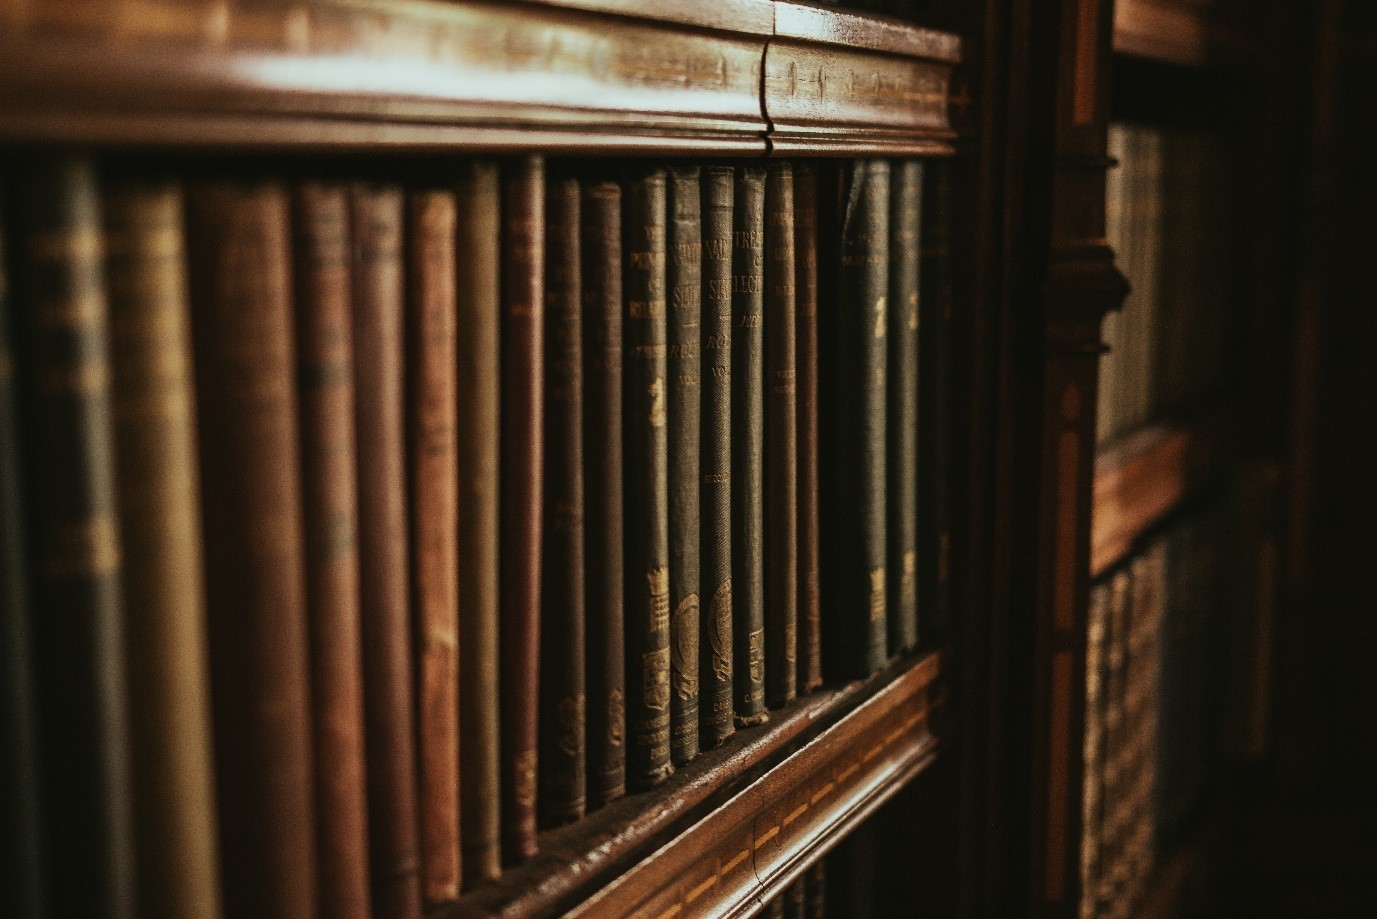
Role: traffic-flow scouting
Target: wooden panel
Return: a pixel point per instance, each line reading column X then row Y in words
column 592, row 76
column 738, row 823
column 1143, row 478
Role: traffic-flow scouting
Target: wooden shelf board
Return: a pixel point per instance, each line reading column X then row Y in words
column 1145, row 476
column 1175, row 32
column 740, row 822
column 559, row 76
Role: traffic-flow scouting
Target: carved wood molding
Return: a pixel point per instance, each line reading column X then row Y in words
column 594, row 76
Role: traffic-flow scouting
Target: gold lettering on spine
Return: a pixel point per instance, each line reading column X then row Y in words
column 720, row 631
column 877, row 594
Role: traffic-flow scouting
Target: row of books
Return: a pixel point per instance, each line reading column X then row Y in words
column 355, row 526
column 805, row 898
column 1177, row 661
column 1164, row 207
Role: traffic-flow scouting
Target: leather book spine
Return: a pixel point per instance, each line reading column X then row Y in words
column 241, row 287
column 478, row 364
column 601, row 275
column 79, row 622
column 781, row 439
column 384, row 555
column 905, row 201
column 21, row 837
column 815, row 892
column 523, row 305
column 160, row 519
column 562, row 755
column 748, row 432
column 935, row 343
column 1092, row 797
column 715, row 494
column 795, row 899
column 329, row 485
column 854, row 380
column 431, row 367
column 774, row 909
column 806, row 357
column 647, row 485
column 684, row 250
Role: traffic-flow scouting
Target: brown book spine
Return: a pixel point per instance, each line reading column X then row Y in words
column 562, row 755
column 781, row 440
column 479, row 367
column 379, row 380
column 715, row 521
column 602, row 468
column 647, row 486
column 160, row 518
column 684, row 250
column 1092, row 792
column 795, row 899
column 21, row 837
column 806, row 356
column 748, row 432
column 905, row 201
column 255, row 561
column 432, row 363
column 815, row 883
column 76, row 549
column 523, row 304
column 935, row 366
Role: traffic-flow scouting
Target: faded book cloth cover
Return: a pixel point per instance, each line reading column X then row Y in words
column 377, row 213
column 255, row 560
column 748, row 432
column 523, row 306
column 715, row 493
column 905, row 202
column 604, row 586
column 935, row 365
column 684, row 250
column 478, row 360
column 809, row 665
column 432, row 368
column 160, row 522
column 647, row 485
column 562, row 700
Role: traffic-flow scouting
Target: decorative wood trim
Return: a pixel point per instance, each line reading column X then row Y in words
column 1146, row 476
column 737, row 824
column 596, row 76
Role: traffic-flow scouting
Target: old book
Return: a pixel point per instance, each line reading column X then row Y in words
column 478, row 363
column 240, row 245
column 854, row 299
column 905, row 203
column 809, row 668
column 1111, row 878
column 384, row 555
column 647, row 486
column 795, row 899
column 329, row 486
column 715, row 493
column 75, row 553
column 815, row 890
column 935, row 346
column 432, row 413
column 604, row 587
column 160, row 519
column 774, row 909
column 781, row 439
column 523, row 305
column 562, row 701
column 748, row 431
column 684, row 250
column 21, row 840
column 1092, row 797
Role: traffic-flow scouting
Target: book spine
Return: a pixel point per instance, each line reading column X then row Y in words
column 432, row 365
column 647, row 485
column 76, row 549
column 384, row 555
column 1092, row 797
column 21, row 838
column 935, row 343
column 748, row 431
column 255, row 562
column 815, row 884
column 604, row 585
column 715, row 524
column 905, row 200
column 523, row 302
column 478, row 364
column 685, row 326
column 806, row 356
column 164, row 591
column 781, row 439
column 795, row 899
column 562, row 755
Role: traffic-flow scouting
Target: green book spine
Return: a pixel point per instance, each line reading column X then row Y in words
column 905, row 203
